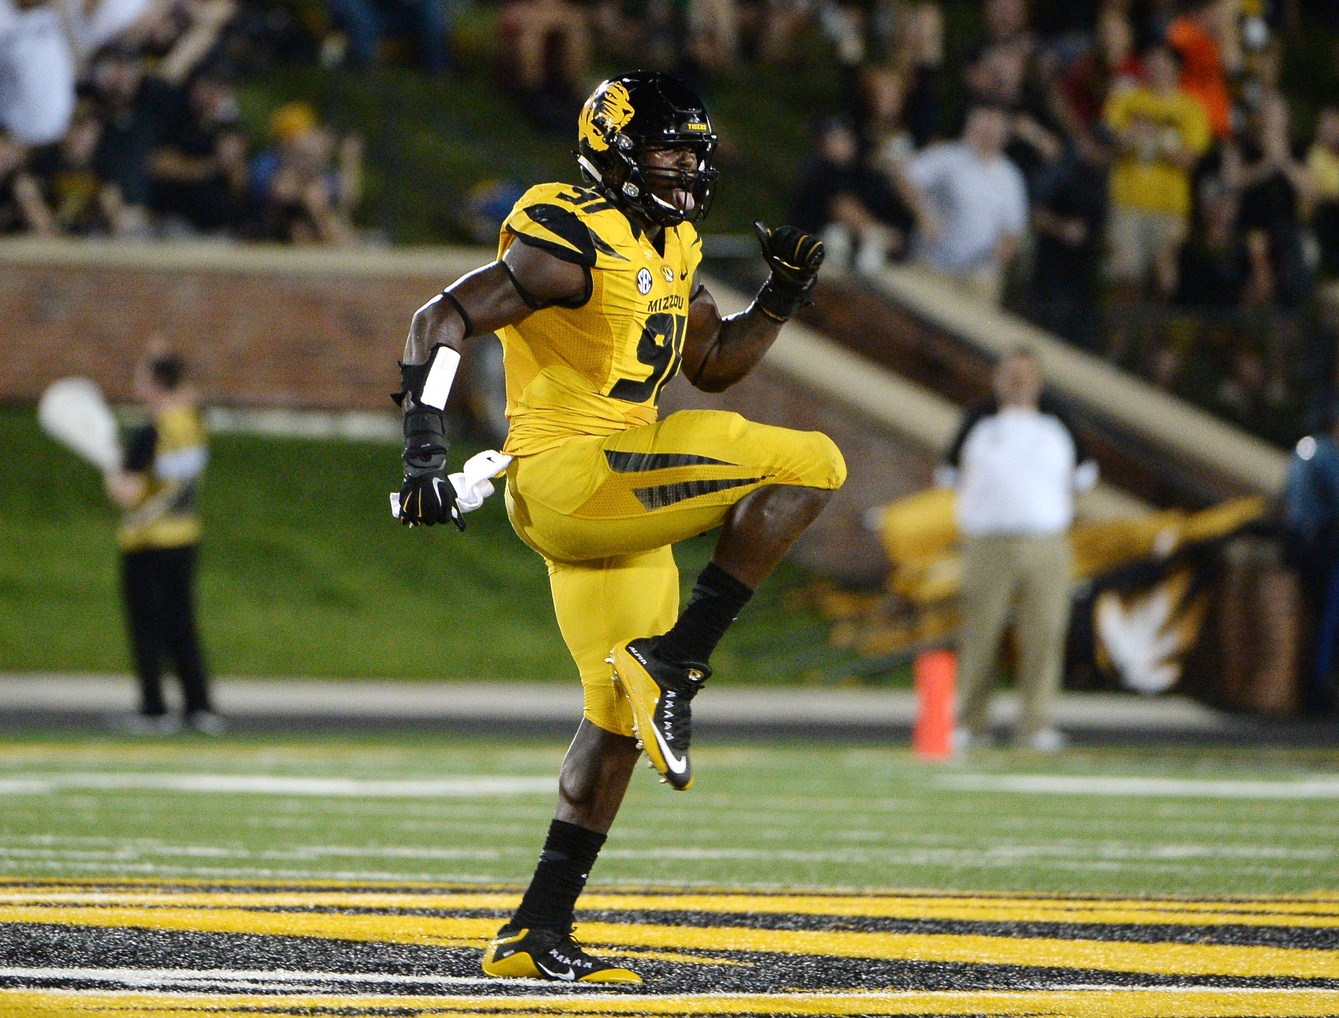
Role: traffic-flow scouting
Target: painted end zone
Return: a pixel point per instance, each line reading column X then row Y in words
column 188, row 948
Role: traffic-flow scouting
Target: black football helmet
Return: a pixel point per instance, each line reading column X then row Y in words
column 626, row 116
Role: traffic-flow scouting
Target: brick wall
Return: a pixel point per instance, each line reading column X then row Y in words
column 322, row 329
column 257, row 326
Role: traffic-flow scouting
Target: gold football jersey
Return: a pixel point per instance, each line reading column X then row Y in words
column 171, row 453
column 595, row 366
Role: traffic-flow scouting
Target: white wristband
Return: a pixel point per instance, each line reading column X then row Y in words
column 441, row 373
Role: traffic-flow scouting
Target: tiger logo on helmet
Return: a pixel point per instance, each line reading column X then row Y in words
column 605, row 114
column 631, row 114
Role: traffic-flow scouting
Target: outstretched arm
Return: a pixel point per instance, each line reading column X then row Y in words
column 718, row 351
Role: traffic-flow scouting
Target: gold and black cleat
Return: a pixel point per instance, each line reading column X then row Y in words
column 660, row 692
column 549, row 954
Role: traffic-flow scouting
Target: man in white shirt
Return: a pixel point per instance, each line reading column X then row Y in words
column 36, row 71
column 42, row 43
column 970, row 205
column 1016, row 468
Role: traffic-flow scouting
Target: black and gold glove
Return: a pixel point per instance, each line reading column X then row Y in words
column 794, row 257
column 427, row 495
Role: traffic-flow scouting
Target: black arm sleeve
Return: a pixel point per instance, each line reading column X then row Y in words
column 969, row 420
column 1060, row 410
column 140, row 446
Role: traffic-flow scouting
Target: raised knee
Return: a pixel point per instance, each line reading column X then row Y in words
column 832, row 460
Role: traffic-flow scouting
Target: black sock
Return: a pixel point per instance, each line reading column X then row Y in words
column 569, row 853
column 716, row 601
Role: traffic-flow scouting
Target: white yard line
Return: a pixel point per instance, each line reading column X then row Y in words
column 104, row 869
column 1082, row 853
column 476, row 786
column 241, row 979
column 283, row 980
column 1048, row 784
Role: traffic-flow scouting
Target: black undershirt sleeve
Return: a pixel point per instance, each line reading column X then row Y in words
column 140, row 445
column 969, row 421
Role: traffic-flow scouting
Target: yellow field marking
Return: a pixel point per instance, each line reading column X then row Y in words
column 1161, row 1003
column 1113, row 956
column 1011, row 909
column 1300, row 900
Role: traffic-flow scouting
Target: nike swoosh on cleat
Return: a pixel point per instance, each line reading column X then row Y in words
column 673, row 762
column 568, row 976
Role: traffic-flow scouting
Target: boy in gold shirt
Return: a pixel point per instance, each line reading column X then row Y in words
column 1161, row 132
column 157, row 489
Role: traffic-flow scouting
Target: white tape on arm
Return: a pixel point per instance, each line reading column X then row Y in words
column 441, row 373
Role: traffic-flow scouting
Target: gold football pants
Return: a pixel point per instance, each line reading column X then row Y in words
column 605, row 510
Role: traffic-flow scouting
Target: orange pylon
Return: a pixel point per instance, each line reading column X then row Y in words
column 935, row 673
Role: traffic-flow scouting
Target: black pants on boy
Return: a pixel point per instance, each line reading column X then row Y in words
column 159, row 590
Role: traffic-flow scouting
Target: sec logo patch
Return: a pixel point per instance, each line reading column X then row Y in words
column 644, row 281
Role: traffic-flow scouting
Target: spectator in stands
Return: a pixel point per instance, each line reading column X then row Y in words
column 306, row 185
column 1111, row 65
column 920, row 57
column 1005, row 76
column 545, row 52
column 1001, row 62
column 884, row 136
column 843, row 24
column 131, row 108
column 22, row 207
column 1205, row 39
column 425, row 23
column 82, row 201
column 1161, row 133
column 856, row 212
column 1006, row 25
column 712, row 42
column 199, row 168
column 776, row 25
column 1276, row 191
column 1016, row 466
column 1323, row 162
column 1311, row 521
column 1213, row 278
column 37, row 72
column 93, row 25
column 970, row 206
column 1068, row 219
column 1214, row 267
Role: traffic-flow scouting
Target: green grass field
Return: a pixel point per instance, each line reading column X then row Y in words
column 785, row 816
column 304, row 573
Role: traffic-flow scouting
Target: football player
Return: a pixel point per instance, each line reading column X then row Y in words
column 596, row 297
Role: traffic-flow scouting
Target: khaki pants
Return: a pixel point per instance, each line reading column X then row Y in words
column 999, row 575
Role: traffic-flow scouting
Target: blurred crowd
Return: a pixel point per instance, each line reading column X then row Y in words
column 1109, row 179
column 119, row 118
column 1131, row 174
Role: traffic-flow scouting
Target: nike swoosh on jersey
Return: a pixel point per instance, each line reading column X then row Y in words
column 568, row 976
column 675, row 764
